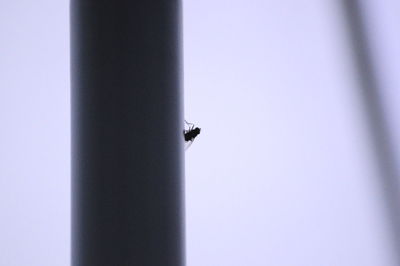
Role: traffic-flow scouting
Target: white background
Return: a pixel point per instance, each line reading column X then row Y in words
column 282, row 173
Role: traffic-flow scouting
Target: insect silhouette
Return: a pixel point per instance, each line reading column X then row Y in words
column 191, row 133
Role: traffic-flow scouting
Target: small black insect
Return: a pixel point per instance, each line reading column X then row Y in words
column 191, row 133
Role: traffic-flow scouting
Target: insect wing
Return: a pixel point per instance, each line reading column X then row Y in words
column 188, row 144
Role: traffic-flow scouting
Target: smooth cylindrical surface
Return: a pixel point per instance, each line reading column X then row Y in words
column 127, row 141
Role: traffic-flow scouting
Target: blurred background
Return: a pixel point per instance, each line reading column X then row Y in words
column 297, row 162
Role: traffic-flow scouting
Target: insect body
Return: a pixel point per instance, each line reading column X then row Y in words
column 191, row 133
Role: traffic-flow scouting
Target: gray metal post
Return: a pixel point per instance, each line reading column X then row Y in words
column 370, row 93
column 127, row 141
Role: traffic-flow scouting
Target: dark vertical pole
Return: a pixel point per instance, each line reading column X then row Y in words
column 127, row 140
column 370, row 92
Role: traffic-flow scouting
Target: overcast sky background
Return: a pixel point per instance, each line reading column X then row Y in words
column 283, row 171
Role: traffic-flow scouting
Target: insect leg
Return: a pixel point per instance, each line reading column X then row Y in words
column 189, row 124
